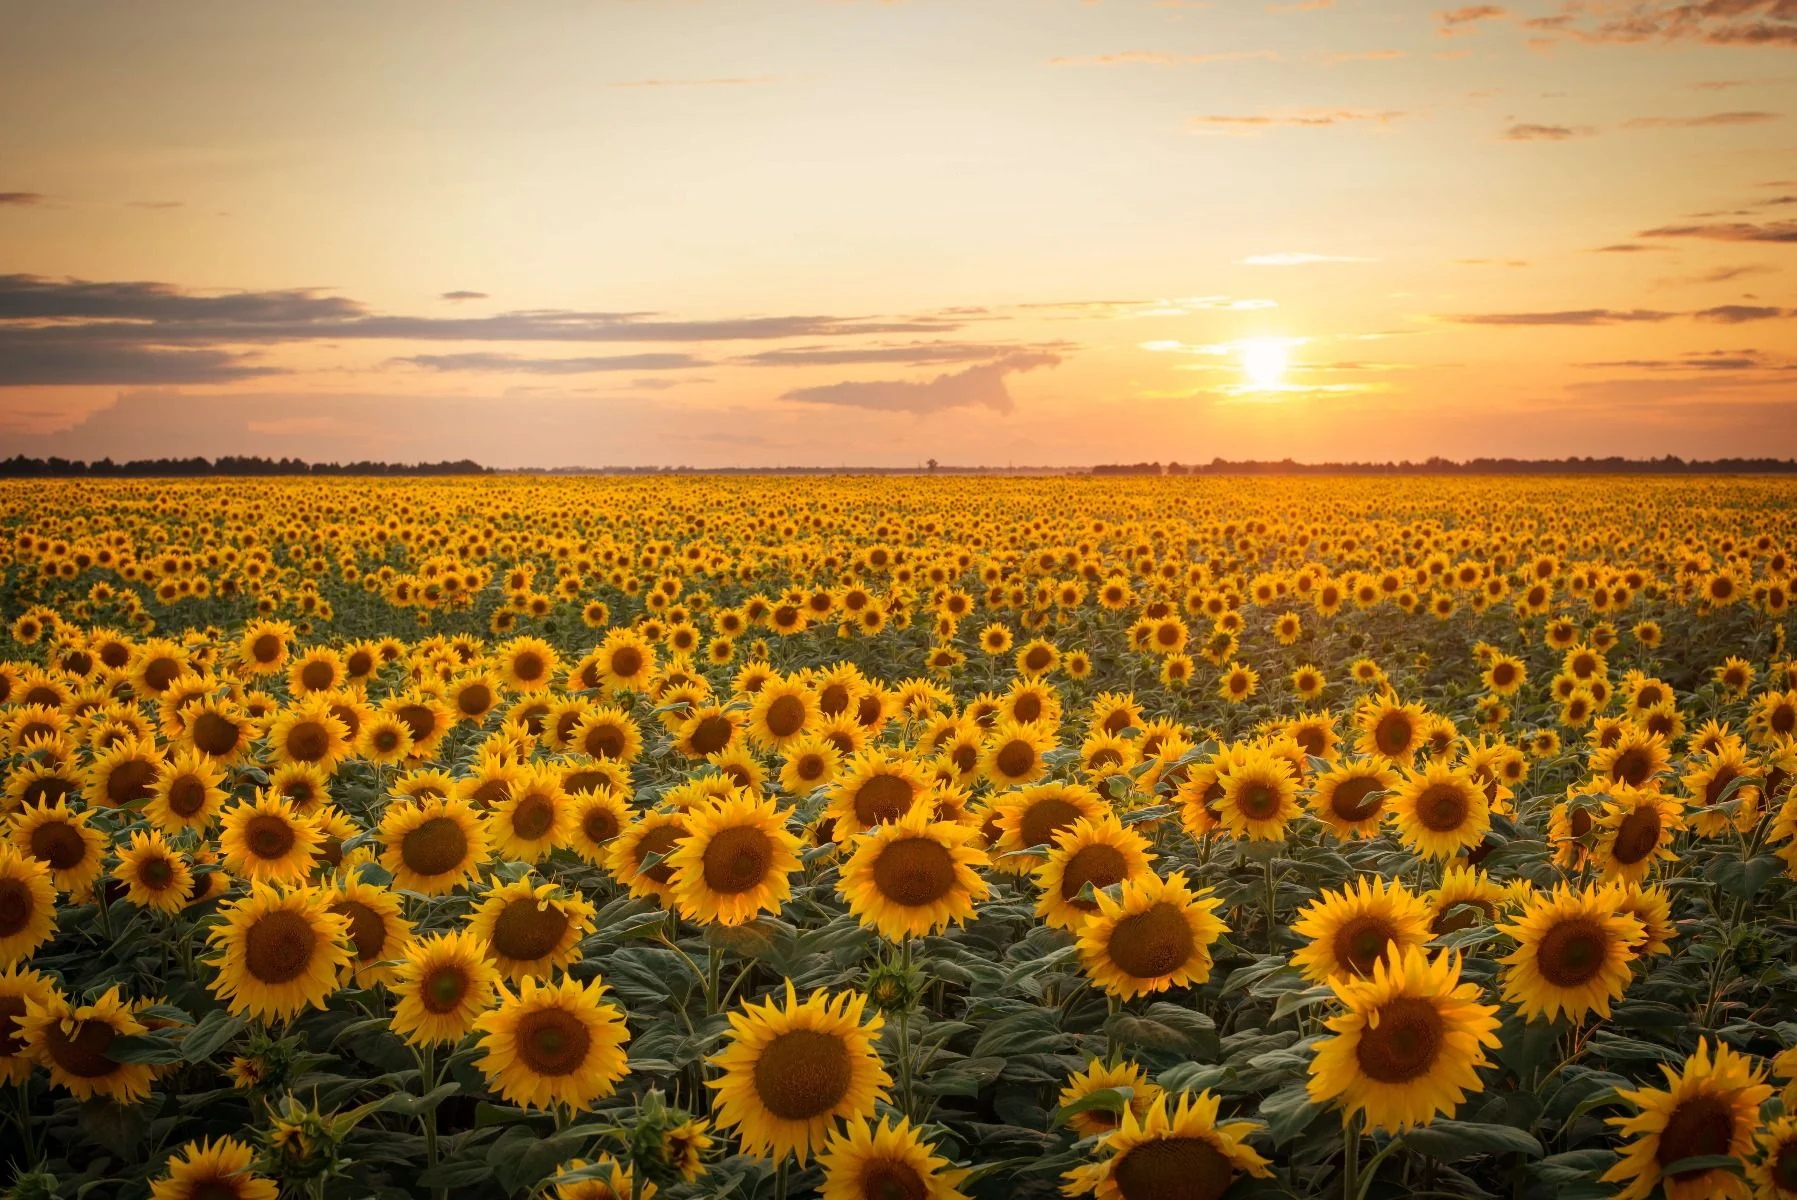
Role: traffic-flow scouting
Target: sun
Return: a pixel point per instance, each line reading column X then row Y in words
column 1264, row 361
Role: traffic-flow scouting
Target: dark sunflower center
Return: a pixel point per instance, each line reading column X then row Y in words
column 308, row 741
column 11, row 1009
column 1393, row 733
column 215, row 734
column 1632, row 766
column 421, row 720
column 1637, row 836
column 436, row 847
column 1725, row 775
column 59, row 844
column 130, row 781
column 1016, row 759
column 1362, row 942
column 711, row 735
column 386, row 739
column 1698, row 1127
column 443, row 989
column 1354, row 799
column 84, row 1054
column 1443, row 808
column 552, row 1041
column 186, row 796
column 529, row 666
column 1152, row 943
column 474, row 699
column 266, row 648
column 737, row 860
column 1784, row 1164
column 1573, row 952
column 528, row 930
column 1045, row 818
column 599, row 824
column 1027, row 708
column 881, row 799
column 1258, row 801
column 316, row 676
column 157, row 874
column 279, row 946
column 1098, row 865
column 366, row 929
column 659, row 840
column 914, row 872
column 1174, row 1168
column 803, row 1074
column 626, row 661
column 890, row 1179
column 533, row 817
column 17, row 905
column 833, row 699
column 785, row 716
column 268, row 837
column 1405, row 1043
column 1037, row 659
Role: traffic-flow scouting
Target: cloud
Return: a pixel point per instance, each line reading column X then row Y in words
column 154, row 204
column 1545, row 133
column 982, row 386
column 1735, row 314
column 1345, row 56
column 1579, row 316
column 1735, row 231
column 910, row 354
column 1455, row 21
column 1630, row 248
column 22, row 199
column 1722, row 274
column 26, row 364
column 1299, row 259
column 1252, row 124
column 1715, row 22
column 553, row 366
column 1709, row 119
column 458, row 296
column 1703, row 360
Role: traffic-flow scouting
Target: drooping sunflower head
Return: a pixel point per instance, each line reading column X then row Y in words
column 1156, row 935
column 792, row 1070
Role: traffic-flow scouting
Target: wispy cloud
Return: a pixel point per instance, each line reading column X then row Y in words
column 478, row 361
column 982, row 386
column 1577, row 316
column 1704, row 121
column 1731, row 231
column 1456, row 21
column 1716, row 22
column 458, row 296
column 21, row 199
column 155, row 204
column 1252, row 124
column 1545, row 133
column 909, row 354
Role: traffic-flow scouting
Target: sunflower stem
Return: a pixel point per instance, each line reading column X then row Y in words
column 780, row 1178
column 1351, row 1157
column 1272, row 915
column 427, row 1083
column 904, row 1027
column 714, row 970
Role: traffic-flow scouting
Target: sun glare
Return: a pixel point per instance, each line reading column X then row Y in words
column 1264, row 362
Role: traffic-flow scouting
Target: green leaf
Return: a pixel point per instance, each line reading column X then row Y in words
column 1575, row 1166
column 1288, row 1112
column 1111, row 1100
column 1451, row 1141
column 150, row 1048
column 1704, row 1162
column 214, row 1030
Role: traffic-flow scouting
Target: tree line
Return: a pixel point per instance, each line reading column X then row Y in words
column 19, row 466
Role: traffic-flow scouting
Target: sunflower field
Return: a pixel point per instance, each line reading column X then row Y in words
column 898, row 839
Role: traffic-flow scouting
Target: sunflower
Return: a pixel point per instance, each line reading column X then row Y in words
column 425, row 715
column 122, row 774
column 64, row 841
column 378, row 930
column 864, row 1161
column 625, row 662
column 19, row 986
column 304, row 785
column 533, row 818
column 279, row 951
column 1350, row 799
column 1390, row 729
column 1157, row 935
column 1259, row 797
column 807, row 764
column 211, row 1170
column 614, row 1180
column 783, row 710
column 441, row 985
column 1505, row 674
column 1573, row 951
column 791, row 1071
column 874, row 789
column 71, row 1043
column 472, row 696
column 1410, row 1044
column 652, row 835
column 1100, row 853
column 1462, row 886
column 598, row 815
column 913, row 876
column 383, row 739
column 154, row 874
column 1636, row 831
column 553, row 1043
column 1178, row 1149
column 1653, row 908
column 266, row 841
column 1102, row 1076
column 309, row 732
column 1775, row 1173
column 1708, row 1109
column 1634, row 759
column 218, row 729
column 433, row 846
column 735, row 862
column 34, row 783
column 188, row 793
column 1708, row 782
column 1013, row 754
column 27, row 905
column 531, row 931
column 1440, row 810
column 1353, row 930
column 264, row 646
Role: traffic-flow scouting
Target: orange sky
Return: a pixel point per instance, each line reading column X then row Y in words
column 763, row 232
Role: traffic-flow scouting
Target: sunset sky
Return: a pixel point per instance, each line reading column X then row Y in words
column 763, row 232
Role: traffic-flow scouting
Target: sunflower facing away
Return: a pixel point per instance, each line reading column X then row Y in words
column 279, row 951
column 442, row 984
column 1156, row 936
column 914, row 876
column 209, row 1170
column 557, row 1043
column 736, row 861
column 888, row 1161
column 1573, row 950
column 1179, row 1149
column 1410, row 1044
column 1709, row 1108
column 1352, row 930
column 792, row 1071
